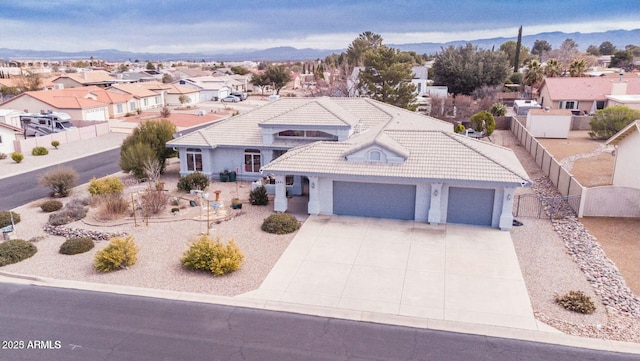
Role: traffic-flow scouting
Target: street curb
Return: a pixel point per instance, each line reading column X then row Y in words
column 361, row 316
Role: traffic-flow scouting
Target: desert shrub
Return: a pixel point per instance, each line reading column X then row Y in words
column 112, row 206
column 147, row 142
column 3, row 155
column 51, row 206
column 15, row 250
column 259, row 196
column 120, row 253
column 576, row 301
column 459, row 128
column 154, row 201
column 483, row 121
column 5, row 218
column 280, row 223
column 498, row 110
column 60, row 180
column 610, row 120
column 107, row 185
column 195, row 180
column 165, row 112
column 74, row 210
column 39, row 151
column 76, row 245
column 55, row 144
column 213, row 256
column 17, row 157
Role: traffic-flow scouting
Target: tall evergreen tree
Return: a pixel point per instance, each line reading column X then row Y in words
column 516, row 62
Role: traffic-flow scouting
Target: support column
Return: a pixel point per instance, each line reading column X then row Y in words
column 280, row 201
column 506, row 216
column 314, row 196
column 435, row 205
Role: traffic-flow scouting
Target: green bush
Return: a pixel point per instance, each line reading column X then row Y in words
column 259, row 196
column 195, row 180
column 3, row 155
column 120, row 253
column 17, row 157
column 498, row 110
column 60, row 180
column 107, row 185
column 51, row 206
column 576, row 301
column 147, row 143
column 483, row 121
column 73, row 211
column 5, row 218
column 15, row 250
column 610, row 120
column 39, row 151
column 76, row 245
column 213, row 256
column 280, row 223
column 459, row 128
column 55, row 144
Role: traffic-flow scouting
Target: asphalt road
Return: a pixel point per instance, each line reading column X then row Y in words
column 24, row 188
column 43, row 323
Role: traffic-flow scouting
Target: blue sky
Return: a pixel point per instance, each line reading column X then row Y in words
column 213, row 26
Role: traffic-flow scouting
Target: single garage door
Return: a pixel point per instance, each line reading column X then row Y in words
column 395, row 201
column 470, row 206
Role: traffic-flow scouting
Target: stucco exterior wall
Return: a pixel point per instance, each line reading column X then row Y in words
column 627, row 168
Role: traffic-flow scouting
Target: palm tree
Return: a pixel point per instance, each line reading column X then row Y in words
column 534, row 74
column 577, row 68
column 553, row 68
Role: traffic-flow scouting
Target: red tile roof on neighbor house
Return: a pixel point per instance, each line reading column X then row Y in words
column 72, row 98
column 586, row 88
column 89, row 77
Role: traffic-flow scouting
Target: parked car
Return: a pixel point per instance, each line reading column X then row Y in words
column 230, row 99
column 241, row 96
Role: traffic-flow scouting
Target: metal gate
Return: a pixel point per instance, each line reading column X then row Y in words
column 535, row 206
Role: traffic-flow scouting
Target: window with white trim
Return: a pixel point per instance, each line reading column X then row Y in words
column 252, row 162
column 569, row 104
column 194, row 159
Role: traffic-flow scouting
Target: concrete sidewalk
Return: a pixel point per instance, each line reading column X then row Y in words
column 64, row 153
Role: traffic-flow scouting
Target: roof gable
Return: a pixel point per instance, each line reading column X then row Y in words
column 382, row 148
column 316, row 112
column 625, row 132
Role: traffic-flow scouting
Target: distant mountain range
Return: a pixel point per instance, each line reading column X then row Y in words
column 619, row 38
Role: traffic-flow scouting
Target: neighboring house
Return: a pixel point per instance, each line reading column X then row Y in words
column 176, row 91
column 7, row 136
column 136, row 76
column 11, row 117
column 546, row 123
column 118, row 104
column 210, row 88
column 361, row 157
column 626, row 172
column 630, row 101
column 183, row 73
column 420, row 80
column 86, row 78
column 80, row 104
column 584, row 95
column 147, row 95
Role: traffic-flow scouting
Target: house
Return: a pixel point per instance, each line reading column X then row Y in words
column 10, row 116
column 147, row 95
column 547, row 123
column 79, row 103
column 361, row 157
column 8, row 134
column 626, row 172
column 585, row 95
column 86, row 78
column 176, row 91
column 183, row 73
column 210, row 88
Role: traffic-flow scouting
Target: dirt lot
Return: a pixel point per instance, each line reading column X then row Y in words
column 620, row 239
column 589, row 160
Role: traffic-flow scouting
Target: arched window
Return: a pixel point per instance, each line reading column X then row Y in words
column 375, row 156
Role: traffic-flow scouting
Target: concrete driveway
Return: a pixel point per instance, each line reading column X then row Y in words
column 447, row 272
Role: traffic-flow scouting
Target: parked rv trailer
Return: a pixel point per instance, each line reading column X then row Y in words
column 38, row 124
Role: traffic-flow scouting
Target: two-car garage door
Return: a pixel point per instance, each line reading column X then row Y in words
column 395, row 201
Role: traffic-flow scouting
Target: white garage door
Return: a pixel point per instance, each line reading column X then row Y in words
column 95, row 114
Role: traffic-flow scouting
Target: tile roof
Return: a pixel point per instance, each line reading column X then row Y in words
column 434, row 155
column 72, row 98
column 586, row 88
column 138, row 90
column 625, row 132
column 244, row 130
column 89, row 77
